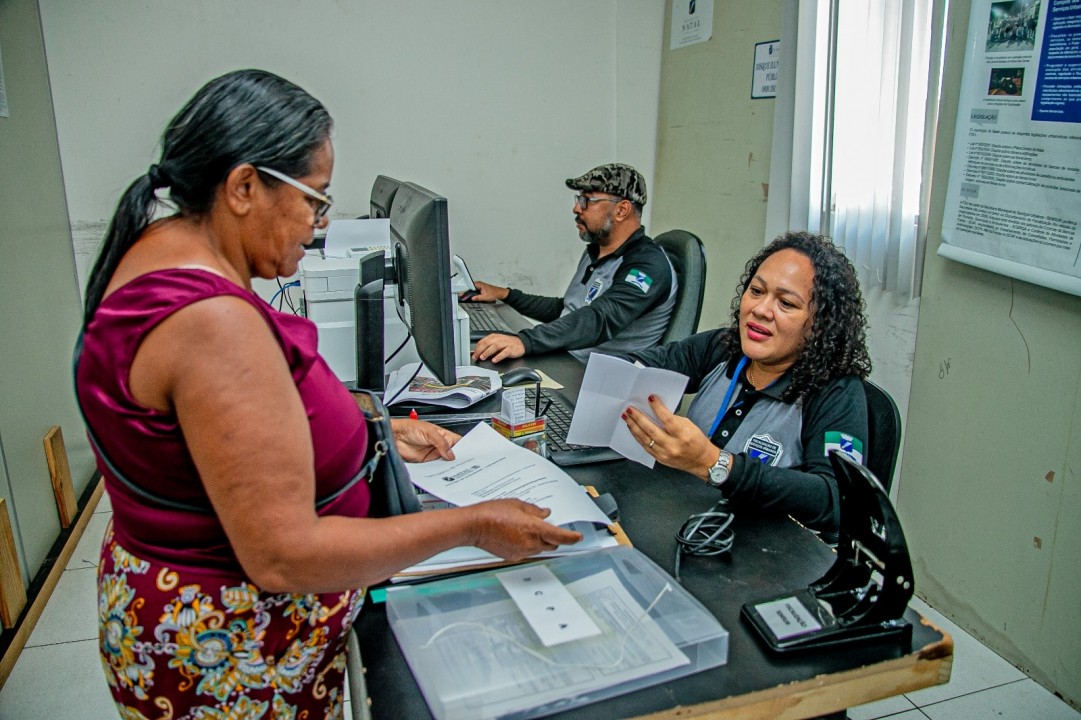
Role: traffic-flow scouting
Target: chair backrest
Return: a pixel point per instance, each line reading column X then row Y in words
column 884, row 431
column 688, row 258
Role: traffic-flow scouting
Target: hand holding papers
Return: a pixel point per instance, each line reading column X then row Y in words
column 487, row 466
column 611, row 385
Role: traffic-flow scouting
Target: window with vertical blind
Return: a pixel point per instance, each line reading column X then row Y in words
column 855, row 109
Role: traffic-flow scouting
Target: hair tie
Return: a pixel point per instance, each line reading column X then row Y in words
column 156, row 177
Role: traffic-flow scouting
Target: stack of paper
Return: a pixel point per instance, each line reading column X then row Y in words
column 487, row 466
column 473, row 385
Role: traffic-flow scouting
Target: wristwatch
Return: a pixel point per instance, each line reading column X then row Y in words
column 718, row 473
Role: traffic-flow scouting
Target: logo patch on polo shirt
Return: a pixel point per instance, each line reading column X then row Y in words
column 640, row 280
column 850, row 446
column 764, row 449
column 594, row 290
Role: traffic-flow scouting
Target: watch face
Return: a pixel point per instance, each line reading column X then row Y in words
column 718, row 474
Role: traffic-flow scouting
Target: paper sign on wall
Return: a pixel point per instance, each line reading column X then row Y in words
column 692, row 22
column 767, row 63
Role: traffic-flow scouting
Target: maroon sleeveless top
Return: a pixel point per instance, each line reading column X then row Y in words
column 147, row 446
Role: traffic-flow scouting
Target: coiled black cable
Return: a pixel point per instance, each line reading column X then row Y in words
column 707, row 533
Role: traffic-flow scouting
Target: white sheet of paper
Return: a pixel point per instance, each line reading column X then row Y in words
column 513, row 406
column 611, row 385
column 487, row 466
column 547, row 605
column 345, row 236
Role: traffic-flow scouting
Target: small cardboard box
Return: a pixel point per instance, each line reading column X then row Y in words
column 529, row 434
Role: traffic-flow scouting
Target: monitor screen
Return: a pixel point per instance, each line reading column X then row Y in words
column 420, row 245
column 382, row 195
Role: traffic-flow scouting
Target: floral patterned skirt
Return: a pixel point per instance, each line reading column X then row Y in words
column 177, row 644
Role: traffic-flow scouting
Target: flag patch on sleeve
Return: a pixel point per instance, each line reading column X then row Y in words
column 850, row 446
column 640, row 280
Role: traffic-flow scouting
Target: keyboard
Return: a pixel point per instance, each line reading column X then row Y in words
column 559, row 415
column 484, row 319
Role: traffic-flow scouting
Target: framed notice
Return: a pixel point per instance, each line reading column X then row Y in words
column 1013, row 202
column 767, row 60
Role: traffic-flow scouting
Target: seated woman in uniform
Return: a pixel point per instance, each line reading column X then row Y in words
column 777, row 389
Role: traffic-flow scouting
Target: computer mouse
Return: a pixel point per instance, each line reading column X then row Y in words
column 468, row 295
column 520, row 375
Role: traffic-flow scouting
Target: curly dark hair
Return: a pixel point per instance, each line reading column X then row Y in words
column 837, row 345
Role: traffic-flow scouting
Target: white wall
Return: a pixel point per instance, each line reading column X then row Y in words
column 990, row 498
column 491, row 103
column 40, row 311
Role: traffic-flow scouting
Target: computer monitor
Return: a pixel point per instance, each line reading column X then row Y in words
column 420, row 247
column 383, row 191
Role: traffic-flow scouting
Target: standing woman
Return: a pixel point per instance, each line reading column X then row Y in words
column 239, row 545
column 776, row 390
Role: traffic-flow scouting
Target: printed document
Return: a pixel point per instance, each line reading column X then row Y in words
column 609, row 387
column 487, row 466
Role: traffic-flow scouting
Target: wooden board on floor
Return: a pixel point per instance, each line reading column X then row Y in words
column 60, row 472
column 30, row 619
column 12, row 591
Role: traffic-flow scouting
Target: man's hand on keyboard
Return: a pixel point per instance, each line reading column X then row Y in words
column 497, row 347
column 487, row 293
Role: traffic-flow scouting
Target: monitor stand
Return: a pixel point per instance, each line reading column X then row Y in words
column 370, row 332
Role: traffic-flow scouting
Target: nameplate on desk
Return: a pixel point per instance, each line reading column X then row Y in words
column 787, row 617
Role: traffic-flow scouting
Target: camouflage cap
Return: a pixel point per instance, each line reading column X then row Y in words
column 614, row 179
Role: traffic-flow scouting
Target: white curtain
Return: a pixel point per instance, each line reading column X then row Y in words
column 852, row 107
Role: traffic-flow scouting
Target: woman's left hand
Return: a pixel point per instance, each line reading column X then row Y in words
column 675, row 441
column 420, row 441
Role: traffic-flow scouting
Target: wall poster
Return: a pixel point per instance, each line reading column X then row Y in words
column 1013, row 203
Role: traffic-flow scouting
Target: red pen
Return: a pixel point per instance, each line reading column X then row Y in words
column 413, row 414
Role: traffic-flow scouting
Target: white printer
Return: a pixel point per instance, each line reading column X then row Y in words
column 328, row 285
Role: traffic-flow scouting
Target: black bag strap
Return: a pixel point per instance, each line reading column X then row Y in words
column 367, row 471
column 392, row 492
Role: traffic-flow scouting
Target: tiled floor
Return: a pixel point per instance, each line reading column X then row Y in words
column 58, row 675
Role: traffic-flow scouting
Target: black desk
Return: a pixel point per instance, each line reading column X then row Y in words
column 772, row 555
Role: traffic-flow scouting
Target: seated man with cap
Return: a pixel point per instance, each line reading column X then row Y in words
column 622, row 295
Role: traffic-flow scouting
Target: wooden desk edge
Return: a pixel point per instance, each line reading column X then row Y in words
column 927, row 666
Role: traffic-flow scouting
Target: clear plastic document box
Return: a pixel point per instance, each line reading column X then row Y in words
column 476, row 654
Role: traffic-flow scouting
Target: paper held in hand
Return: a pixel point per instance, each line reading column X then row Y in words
column 609, row 387
column 474, row 384
column 487, row 466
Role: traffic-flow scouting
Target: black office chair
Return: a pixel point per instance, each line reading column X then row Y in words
column 688, row 258
column 884, row 433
